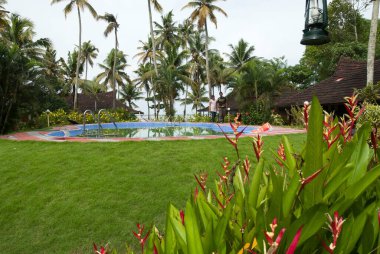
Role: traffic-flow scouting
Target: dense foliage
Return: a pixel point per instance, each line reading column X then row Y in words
column 283, row 207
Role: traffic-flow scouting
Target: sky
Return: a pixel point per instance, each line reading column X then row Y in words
column 273, row 27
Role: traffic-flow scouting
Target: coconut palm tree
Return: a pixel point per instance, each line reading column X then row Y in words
column 89, row 52
column 167, row 32
column 372, row 41
column 157, row 7
column 110, row 73
column 130, row 93
column 143, row 82
column 240, row 54
column 173, row 75
column 196, row 97
column 205, row 9
column 3, row 14
column 80, row 6
column 113, row 26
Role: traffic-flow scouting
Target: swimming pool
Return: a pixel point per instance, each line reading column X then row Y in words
column 148, row 130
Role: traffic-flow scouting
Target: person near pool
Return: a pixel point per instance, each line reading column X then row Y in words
column 212, row 107
column 222, row 105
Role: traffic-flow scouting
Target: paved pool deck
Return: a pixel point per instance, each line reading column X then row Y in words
column 43, row 135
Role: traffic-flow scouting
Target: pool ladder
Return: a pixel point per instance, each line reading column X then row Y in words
column 99, row 131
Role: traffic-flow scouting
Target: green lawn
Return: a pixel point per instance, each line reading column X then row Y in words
column 62, row 197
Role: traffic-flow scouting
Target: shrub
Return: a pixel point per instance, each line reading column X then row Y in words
column 283, row 207
column 256, row 115
column 60, row 117
column 199, row 118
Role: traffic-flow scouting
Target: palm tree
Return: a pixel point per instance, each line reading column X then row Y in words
column 205, row 9
column 167, row 32
column 129, row 93
column 93, row 88
column 89, row 52
column 81, row 5
column 240, row 54
column 197, row 96
column 158, row 8
column 143, row 82
column 372, row 42
column 112, row 26
column 69, row 71
column 110, row 73
column 3, row 15
column 173, row 74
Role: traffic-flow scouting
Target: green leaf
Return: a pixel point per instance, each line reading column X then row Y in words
column 290, row 195
column 193, row 236
column 361, row 155
column 170, row 238
column 313, row 158
column 333, row 185
column 312, row 221
column 290, row 161
column 238, row 182
column 221, row 228
column 178, row 228
column 255, row 185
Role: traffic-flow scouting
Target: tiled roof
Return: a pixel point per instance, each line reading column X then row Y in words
column 103, row 101
column 349, row 75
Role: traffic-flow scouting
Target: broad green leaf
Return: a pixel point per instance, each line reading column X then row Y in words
column 290, row 195
column 170, row 238
column 354, row 191
column 312, row 221
column 361, row 155
column 352, row 232
column 290, row 161
column 238, row 182
column 334, row 184
column 221, row 228
column 178, row 228
column 255, row 184
column 313, row 158
column 193, row 236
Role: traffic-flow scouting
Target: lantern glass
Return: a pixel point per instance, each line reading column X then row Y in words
column 315, row 10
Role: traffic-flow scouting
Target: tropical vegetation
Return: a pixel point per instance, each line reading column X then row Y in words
column 177, row 66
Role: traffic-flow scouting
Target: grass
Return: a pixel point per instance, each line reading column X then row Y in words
column 62, row 197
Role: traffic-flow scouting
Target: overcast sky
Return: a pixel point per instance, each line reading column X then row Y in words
column 273, row 27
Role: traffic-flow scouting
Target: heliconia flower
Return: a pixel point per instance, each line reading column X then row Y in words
column 378, row 216
column 249, row 247
column 335, row 226
column 226, row 200
column 281, row 154
column 306, row 114
column 329, row 128
column 258, row 146
column 269, row 236
column 247, row 167
column 310, row 178
column 139, row 237
column 293, row 244
column 155, row 251
column 353, row 114
column 182, row 215
column 101, row 251
column 202, row 180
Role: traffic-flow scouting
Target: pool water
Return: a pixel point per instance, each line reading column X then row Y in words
column 147, row 130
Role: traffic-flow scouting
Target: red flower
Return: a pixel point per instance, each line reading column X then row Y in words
column 101, row 251
column 182, row 215
column 294, row 243
column 139, row 237
column 335, row 226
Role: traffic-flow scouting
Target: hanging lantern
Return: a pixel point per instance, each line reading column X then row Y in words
column 315, row 23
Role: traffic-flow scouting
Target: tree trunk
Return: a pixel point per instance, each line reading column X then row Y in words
column 114, row 72
column 184, row 110
column 78, row 62
column 147, row 96
column 152, row 36
column 372, row 42
column 207, row 64
column 86, row 68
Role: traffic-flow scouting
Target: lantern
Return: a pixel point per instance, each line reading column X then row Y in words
column 315, row 23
